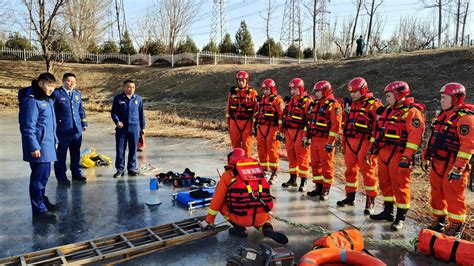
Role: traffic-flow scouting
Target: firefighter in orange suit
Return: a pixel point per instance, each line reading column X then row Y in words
column 449, row 150
column 358, row 125
column 295, row 119
column 398, row 136
column 268, row 123
column 325, row 117
column 241, row 107
column 239, row 206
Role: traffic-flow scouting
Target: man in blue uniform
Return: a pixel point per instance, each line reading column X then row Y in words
column 71, row 122
column 129, row 118
column 38, row 138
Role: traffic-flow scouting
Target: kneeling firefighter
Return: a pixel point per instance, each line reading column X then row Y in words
column 243, row 197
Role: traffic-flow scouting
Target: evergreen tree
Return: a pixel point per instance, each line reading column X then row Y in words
column 93, row 48
column 276, row 49
column 211, row 47
column 109, row 47
column 15, row 41
column 187, row 46
column 293, row 51
column 226, row 46
column 308, row 53
column 153, row 47
column 243, row 40
column 126, row 45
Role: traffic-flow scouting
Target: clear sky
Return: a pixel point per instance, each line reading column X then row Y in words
column 252, row 12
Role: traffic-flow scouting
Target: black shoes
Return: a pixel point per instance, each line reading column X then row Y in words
column 277, row 236
column 45, row 217
column 324, row 193
column 438, row 225
column 132, row 173
column 454, row 229
column 79, row 178
column 291, row 182
column 64, row 183
column 349, row 200
column 386, row 214
column 51, row 207
column 369, row 205
column 397, row 225
column 302, row 187
column 118, row 173
column 273, row 178
column 238, row 232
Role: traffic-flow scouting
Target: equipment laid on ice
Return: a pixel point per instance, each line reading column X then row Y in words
column 325, row 256
column 89, row 158
column 265, row 255
column 153, row 198
column 349, row 239
column 446, row 248
column 195, row 198
column 120, row 247
column 185, row 179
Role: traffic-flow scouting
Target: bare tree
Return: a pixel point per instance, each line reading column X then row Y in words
column 376, row 37
column 343, row 40
column 458, row 21
column 466, row 12
column 358, row 4
column 85, row 20
column 269, row 9
column 43, row 15
column 313, row 12
column 371, row 13
column 438, row 4
column 174, row 19
column 414, row 34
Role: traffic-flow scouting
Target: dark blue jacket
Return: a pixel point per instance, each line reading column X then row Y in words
column 128, row 111
column 70, row 114
column 37, row 124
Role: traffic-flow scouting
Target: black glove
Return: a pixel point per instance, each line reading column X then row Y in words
column 280, row 137
column 404, row 162
column 455, row 173
column 329, row 147
column 306, row 142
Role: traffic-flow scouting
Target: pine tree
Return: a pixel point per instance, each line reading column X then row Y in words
column 211, row 47
column 15, row 41
column 109, row 47
column 126, row 45
column 187, row 46
column 293, row 51
column 308, row 53
column 226, row 46
column 153, row 47
column 276, row 49
column 243, row 40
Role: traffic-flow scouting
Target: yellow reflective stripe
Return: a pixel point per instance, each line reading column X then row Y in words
column 371, row 188
column 439, row 212
column 351, row 184
column 232, row 180
column 317, row 177
column 464, row 155
column 294, row 169
column 280, row 122
column 233, row 107
column 227, row 115
column 247, row 163
column 274, row 164
column 321, row 124
column 460, row 217
column 392, row 136
column 264, row 164
column 333, row 134
column 296, row 117
column 249, row 189
column 327, row 181
column 360, row 125
column 403, row 205
column 267, row 114
column 260, row 188
column 304, row 172
column 388, row 198
column 372, row 139
column 84, row 120
column 211, row 211
column 412, row 146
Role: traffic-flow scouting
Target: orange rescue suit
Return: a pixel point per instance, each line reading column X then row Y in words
column 324, row 124
column 358, row 124
column 241, row 107
column 398, row 134
column 268, row 120
column 451, row 145
column 295, row 119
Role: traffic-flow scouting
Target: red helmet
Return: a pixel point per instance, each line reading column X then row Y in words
column 400, row 89
column 270, row 83
column 358, row 84
column 456, row 90
column 323, row 86
column 235, row 155
column 242, row 75
column 297, row 82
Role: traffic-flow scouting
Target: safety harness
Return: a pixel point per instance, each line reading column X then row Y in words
column 294, row 116
column 267, row 114
column 319, row 118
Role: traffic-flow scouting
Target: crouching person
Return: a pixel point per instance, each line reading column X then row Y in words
column 243, row 197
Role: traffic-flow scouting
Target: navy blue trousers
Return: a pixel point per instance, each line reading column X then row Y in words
column 122, row 138
column 38, row 179
column 73, row 143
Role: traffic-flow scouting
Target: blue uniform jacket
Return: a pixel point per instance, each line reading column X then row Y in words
column 70, row 114
column 128, row 111
column 37, row 125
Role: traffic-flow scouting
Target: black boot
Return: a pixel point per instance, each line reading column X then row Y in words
column 397, row 225
column 438, row 225
column 302, row 187
column 349, row 200
column 273, row 178
column 454, row 229
column 324, row 193
column 386, row 214
column 267, row 231
column 237, row 230
column 369, row 205
column 291, row 182
column 316, row 191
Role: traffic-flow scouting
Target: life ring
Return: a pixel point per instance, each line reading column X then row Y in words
column 335, row 255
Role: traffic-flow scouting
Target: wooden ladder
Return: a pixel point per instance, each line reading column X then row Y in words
column 120, row 247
